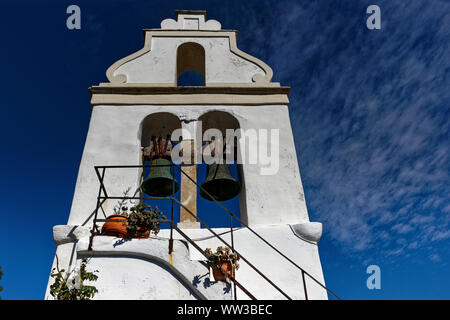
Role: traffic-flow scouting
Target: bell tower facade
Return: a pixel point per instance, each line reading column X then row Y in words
column 150, row 132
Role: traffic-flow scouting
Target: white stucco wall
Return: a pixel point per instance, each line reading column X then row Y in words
column 159, row 64
column 142, row 269
column 148, row 280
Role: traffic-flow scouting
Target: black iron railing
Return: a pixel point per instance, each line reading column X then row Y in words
column 103, row 196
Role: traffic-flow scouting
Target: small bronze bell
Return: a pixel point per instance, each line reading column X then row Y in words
column 219, row 183
column 160, row 182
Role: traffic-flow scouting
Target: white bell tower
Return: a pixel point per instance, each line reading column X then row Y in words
column 142, row 100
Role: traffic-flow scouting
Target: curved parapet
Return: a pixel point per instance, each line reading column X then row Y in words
column 156, row 63
column 190, row 20
column 308, row 231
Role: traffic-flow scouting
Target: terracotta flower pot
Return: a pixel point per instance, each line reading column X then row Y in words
column 115, row 229
column 119, row 230
column 142, row 233
column 226, row 266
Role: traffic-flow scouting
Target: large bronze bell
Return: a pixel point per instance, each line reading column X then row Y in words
column 219, row 183
column 160, row 182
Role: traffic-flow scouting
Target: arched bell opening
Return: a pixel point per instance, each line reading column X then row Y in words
column 190, row 65
column 224, row 181
column 160, row 180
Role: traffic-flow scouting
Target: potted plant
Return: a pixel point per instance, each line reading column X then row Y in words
column 141, row 220
column 117, row 228
column 225, row 259
column 134, row 222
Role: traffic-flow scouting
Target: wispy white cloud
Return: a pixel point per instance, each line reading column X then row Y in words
column 370, row 113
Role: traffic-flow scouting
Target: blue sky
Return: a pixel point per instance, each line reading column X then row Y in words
column 369, row 110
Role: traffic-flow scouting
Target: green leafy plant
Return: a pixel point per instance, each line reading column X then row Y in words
column 222, row 254
column 70, row 286
column 142, row 219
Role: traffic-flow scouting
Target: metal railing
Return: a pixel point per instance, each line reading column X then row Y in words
column 102, row 198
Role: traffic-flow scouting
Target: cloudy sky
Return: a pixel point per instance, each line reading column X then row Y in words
column 369, row 110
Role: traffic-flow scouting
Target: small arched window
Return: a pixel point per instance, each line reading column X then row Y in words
column 190, row 64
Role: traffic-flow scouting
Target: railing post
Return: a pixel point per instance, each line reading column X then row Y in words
column 304, row 285
column 171, row 215
column 94, row 224
column 232, row 250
